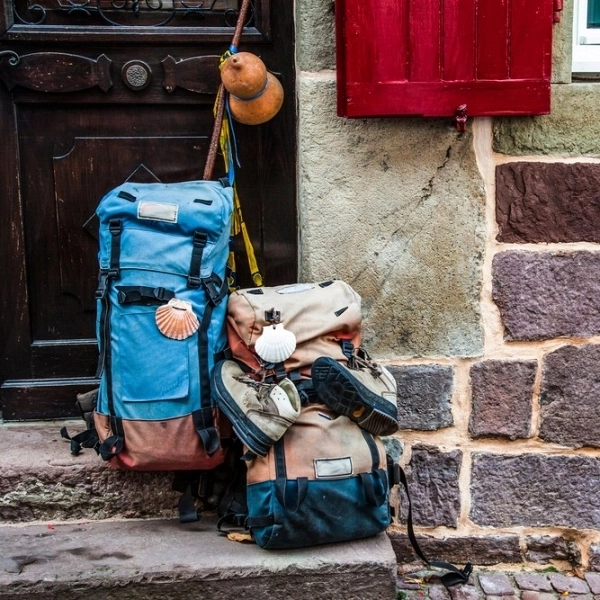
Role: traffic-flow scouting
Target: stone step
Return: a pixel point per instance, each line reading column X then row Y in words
column 41, row 481
column 166, row 560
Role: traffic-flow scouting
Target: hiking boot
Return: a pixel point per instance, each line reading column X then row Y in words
column 260, row 413
column 362, row 391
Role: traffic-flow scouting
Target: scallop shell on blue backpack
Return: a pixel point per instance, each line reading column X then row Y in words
column 276, row 344
column 176, row 319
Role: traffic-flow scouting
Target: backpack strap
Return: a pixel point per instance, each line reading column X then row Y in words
column 290, row 493
column 199, row 243
column 203, row 417
column 140, row 294
column 374, row 482
column 85, row 439
column 454, row 576
column 104, row 278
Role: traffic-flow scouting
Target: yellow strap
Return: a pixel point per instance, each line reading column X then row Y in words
column 237, row 222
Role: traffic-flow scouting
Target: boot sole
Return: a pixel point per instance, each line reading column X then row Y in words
column 344, row 394
column 256, row 441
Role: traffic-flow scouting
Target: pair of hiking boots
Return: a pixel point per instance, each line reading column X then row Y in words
column 261, row 412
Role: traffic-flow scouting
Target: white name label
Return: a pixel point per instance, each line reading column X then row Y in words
column 158, row 211
column 333, row 467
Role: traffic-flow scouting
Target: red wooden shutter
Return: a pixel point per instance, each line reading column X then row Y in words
column 428, row 57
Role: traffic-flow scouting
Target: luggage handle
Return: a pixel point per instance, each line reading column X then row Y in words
column 291, row 493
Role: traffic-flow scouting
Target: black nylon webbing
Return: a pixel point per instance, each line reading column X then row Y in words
column 455, row 575
column 203, row 417
column 116, row 228
column 140, row 294
column 199, row 242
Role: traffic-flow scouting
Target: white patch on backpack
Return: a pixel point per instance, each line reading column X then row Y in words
column 329, row 468
column 158, row 211
column 295, row 288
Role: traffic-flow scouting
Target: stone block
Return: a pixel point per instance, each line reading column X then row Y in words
column 438, row 592
column 479, row 550
column 531, row 595
column 546, row 295
column 424, row 396
column 568, row 585
column 593, row 580
column 567, row 130
column 41, row 481
column 535, row 490
column 433, row 485
column 547, row 202
column 315, row 35
column 594, row 558
column 546, row 548
column 496, row 584
column 569, row 395
column 167, row 560
column 501, row 396
column 533, row 582
column 366, row 208
column 466, row 592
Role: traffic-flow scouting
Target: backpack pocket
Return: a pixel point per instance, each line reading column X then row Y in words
column 149, row 366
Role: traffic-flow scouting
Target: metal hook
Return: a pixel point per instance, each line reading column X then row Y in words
column 461, row 118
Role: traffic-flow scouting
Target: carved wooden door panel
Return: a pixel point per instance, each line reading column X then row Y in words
column 95, row 92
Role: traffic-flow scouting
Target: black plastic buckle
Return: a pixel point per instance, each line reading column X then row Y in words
column 347, row 348
column 114, row 226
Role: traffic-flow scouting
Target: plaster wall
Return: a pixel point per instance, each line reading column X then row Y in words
column 405, row 211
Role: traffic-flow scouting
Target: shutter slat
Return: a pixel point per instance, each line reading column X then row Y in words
column 458, row 40
column 528, row 22
column 424, row 40
column 492, row 39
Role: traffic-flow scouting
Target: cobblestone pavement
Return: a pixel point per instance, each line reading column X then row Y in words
column 495, row 585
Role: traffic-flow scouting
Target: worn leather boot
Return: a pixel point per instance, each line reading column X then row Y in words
column 260, row 413
column 362, row 391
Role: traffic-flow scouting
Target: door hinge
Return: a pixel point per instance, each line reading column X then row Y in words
column 557, row 7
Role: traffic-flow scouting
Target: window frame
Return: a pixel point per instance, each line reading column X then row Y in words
column 586, row 41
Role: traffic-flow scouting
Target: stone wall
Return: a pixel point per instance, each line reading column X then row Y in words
column 502, row 450
column 476, row 257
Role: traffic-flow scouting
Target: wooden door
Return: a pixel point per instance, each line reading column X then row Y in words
column 93, row 93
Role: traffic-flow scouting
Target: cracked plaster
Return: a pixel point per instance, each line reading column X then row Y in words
column 396, row 208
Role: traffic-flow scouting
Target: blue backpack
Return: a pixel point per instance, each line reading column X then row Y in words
column 162, row 298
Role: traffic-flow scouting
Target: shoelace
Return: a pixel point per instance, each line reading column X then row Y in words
column 262, row 388
column 357, row 362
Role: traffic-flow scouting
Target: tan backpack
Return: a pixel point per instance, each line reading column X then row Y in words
column 325, row 319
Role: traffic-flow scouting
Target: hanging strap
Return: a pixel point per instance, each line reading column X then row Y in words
column 85, row 439
column 455, row 575
column 220, row 104
column 223, row 137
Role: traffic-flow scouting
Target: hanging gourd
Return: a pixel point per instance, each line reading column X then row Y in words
column 255, row 95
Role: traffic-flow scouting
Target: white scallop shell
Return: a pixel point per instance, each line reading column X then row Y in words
column 176, row 319
column 276, row 344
